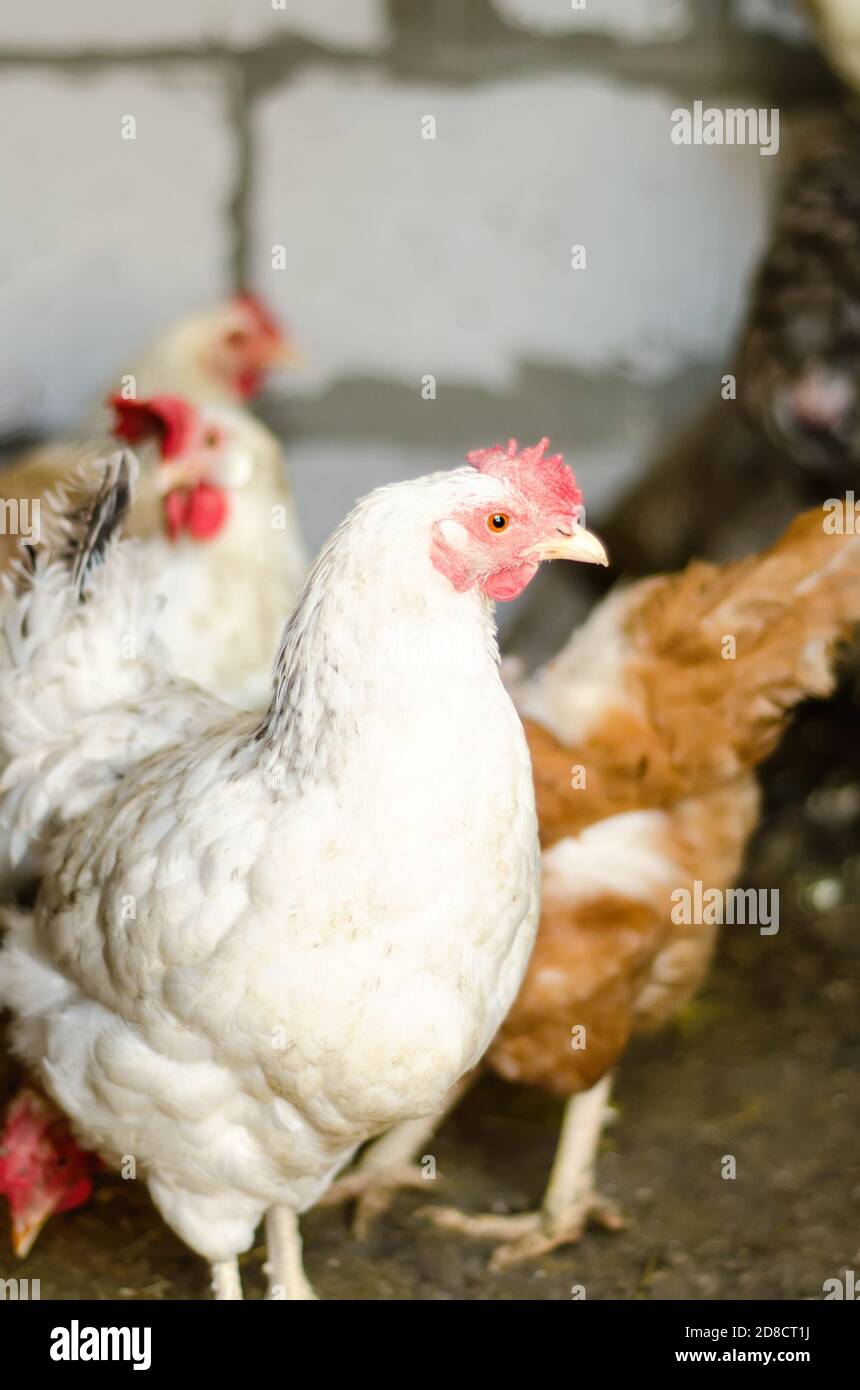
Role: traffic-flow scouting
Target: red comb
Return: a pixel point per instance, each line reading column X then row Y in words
column 265, row 320
column 167, row 418
column 545, row 476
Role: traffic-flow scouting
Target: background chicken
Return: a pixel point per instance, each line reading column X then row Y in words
column 216, row 510
column 219, row 506
column 215, row 523
column 42, row 1170
column 217, row 513
column 644, row 733
column 231, row 971
column 799, row 369
column 793, row 434
column 220, row 356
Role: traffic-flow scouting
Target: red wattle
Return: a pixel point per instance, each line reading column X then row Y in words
column 77, row 1195
column 507, row 584
column 250, row 382
column 207, row 511
column 200, row 510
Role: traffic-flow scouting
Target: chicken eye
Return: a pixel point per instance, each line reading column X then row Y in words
column 499, row 521
column 211, row 438
column 238, row 338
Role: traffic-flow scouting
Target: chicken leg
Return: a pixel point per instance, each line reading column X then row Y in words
column 389, row 1165
column 287, row 1278
column 226, row 1281
column 570, row 1200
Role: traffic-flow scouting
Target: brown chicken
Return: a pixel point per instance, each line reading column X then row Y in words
column 644, row 734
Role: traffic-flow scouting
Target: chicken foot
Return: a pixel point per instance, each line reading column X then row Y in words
column 226, row 1280
column 287, row 1279
column 570, row 1200
column 389, row 1166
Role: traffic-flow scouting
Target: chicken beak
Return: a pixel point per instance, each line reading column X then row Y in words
column 173, row 475
column 580, row 545
column 25, row 1229
column 285, row 354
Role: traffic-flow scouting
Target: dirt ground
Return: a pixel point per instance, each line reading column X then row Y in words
column 764, row 1067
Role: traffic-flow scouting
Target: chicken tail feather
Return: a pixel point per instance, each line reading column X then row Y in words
column 722, row 654
column 76, row 643
column 92, row 525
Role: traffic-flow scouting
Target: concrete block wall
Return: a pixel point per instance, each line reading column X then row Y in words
column 304, row 123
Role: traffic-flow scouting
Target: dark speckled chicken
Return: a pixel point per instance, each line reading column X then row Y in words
column 799, row 369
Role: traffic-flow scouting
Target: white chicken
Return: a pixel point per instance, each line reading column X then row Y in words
column 258, row 942
column 215, row 499
column 218, row 356
column 219, row 518
column 644, row 731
